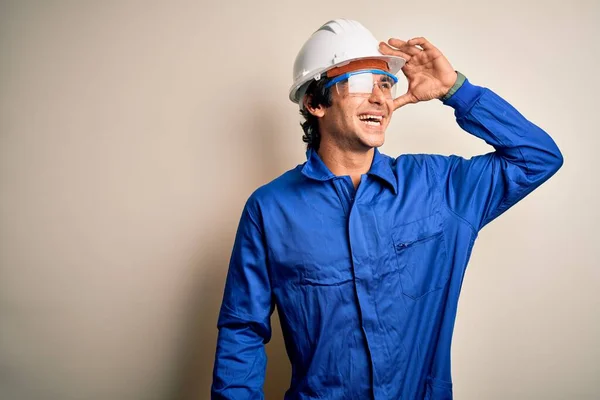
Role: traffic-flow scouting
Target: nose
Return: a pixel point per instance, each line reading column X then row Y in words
column 377, row 96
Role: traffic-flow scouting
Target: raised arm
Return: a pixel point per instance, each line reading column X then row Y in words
column 481, row 188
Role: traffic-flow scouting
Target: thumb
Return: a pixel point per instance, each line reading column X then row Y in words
column 403, row 100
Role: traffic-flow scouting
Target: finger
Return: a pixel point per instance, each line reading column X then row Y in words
column 421, row 41
column 403, row 46
column 396, row 42
column 403, row 100
column 390, row 51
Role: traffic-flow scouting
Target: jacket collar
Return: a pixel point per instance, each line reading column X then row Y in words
column 315, row 168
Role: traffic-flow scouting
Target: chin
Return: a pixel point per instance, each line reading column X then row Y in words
column 373, row 141
column 377, row 138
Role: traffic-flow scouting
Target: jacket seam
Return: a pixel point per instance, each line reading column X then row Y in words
column 498, row 139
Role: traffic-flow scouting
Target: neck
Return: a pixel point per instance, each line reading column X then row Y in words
column 346, row 162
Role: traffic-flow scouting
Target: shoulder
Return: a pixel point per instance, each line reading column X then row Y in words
column 276, row 190
column 419, row 162
column 437, row 163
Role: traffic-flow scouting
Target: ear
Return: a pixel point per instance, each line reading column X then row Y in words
column 318, row 111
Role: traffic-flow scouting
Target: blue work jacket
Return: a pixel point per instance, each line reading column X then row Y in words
column 366, row 282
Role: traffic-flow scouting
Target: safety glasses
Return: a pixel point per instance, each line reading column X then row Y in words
column 363, row 82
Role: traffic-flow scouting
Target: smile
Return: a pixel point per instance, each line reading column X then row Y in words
column 373, row 120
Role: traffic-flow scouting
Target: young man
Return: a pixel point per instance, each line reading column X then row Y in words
column 364, row 254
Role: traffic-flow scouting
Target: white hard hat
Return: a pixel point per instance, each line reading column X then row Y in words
column 336, row 43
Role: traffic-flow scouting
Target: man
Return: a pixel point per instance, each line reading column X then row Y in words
column 364, row 254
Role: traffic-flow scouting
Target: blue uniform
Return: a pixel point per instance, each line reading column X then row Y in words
column 367, row 281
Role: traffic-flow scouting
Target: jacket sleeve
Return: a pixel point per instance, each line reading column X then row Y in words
column 481, row 188
column 244, row 319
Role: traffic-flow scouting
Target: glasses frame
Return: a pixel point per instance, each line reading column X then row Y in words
column 347, row 75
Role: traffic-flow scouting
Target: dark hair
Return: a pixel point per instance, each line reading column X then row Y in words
column 319, row 95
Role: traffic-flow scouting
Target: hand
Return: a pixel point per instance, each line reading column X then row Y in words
column 429, row 74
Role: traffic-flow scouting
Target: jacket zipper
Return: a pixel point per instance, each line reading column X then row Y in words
column 404, row 245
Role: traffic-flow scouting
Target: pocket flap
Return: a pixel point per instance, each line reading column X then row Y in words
column 418, row 230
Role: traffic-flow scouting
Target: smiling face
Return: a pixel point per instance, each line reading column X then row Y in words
column 356, row 122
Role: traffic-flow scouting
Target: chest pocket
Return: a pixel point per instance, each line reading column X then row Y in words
column 420, row 250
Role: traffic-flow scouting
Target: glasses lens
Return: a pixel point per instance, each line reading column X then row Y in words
column 363, row 84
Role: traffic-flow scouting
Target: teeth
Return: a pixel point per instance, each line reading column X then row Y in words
column 372, row 120
column 368, row 116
